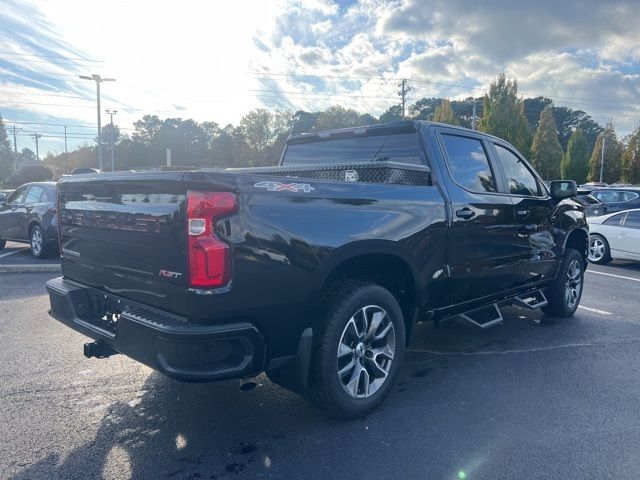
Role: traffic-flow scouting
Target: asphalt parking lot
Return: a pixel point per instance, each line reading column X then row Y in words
column 16, row 258
column 534, row 398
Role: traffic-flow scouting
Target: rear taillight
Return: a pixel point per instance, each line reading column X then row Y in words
column 208, row 256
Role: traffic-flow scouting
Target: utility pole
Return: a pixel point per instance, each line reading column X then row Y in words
column 36, row 136
column 98, row 79
column 66, row 152
column 404, row 89
column 604, row 141
column 473, row 119
column 111, row 113
column 15, row 143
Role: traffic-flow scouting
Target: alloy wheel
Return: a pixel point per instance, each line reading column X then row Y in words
column 36, row 241
column 573, row 284
column 365, row 352
column 596, row 249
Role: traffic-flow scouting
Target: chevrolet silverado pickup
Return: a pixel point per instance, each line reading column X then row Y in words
column 316, row 270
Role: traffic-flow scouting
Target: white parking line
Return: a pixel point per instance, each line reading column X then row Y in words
column 612, row 275
column 13, row 251
column 594, row 310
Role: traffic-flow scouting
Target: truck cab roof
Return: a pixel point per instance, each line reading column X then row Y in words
column 401, row 126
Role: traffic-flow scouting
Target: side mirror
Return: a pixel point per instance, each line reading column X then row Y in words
column 563, row 189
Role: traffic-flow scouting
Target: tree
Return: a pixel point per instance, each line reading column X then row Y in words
column 568, row 120
column 463, row 110
column 533, row 108
column 631, row 159
column 546, row 151
column 503, row 114
column 391, row 114
column 340, row 117
column 26, row 155
column 423, row 109
column 575, row 163
column 257, row 126
column 444, row 113
column 7, row 161
column 612, row 165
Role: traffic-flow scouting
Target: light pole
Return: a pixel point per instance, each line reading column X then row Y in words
column 98, row 79
column 111, row 113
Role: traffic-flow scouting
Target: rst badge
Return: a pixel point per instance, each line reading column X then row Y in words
column 169, row 274
column 281, row 187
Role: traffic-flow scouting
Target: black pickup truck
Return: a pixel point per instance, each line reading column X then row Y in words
column 316, row 270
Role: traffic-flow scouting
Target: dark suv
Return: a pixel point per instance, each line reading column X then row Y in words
column 618, row 199
column 28, row 215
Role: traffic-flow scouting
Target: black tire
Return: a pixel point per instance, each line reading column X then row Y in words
column 343, row 302
column 39, row 249
column 3, row 243
column 597, row 258
column 561, row 302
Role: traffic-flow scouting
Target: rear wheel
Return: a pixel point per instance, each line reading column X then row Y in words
column 599, row 251
column 39, row 248
column 565, row 292
column 358, row 350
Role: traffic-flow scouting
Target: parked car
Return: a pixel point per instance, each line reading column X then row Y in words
column 28, row 215
column 615, row 236
column 366, row 230
column 592, row 206
column 594, row 184
column 618, row 199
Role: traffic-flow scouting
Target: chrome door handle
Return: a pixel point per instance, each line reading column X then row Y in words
column 465, row 213
column 523, row 212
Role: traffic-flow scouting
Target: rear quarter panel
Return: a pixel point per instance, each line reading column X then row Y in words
column 286, row 243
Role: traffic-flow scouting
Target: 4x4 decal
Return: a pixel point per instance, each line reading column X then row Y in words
column 280, row 187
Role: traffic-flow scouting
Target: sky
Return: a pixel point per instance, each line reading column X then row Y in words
column 216, row 60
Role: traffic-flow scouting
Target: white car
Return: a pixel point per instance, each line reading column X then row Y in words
column 614, row 236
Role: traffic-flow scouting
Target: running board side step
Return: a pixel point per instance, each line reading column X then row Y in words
column 483, row 317
column 531, row 300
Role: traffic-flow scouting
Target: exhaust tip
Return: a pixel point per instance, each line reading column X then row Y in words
column 249, row 384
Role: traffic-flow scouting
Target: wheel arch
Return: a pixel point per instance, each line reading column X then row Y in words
column 383, row 263
column 578, row 239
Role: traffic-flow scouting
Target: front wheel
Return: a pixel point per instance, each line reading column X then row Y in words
column 358, row 350
column 565, row 292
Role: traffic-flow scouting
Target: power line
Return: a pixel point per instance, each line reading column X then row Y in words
column 42, row 55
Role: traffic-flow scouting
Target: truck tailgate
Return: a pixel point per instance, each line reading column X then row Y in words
column 125, row 234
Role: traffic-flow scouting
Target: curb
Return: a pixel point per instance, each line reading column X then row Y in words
column 30, row 268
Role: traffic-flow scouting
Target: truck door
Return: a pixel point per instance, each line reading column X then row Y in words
column 535, row 243
column 483, row 223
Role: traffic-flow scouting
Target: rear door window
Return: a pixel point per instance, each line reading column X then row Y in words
column 607, row 196
column 632, row 220
column 399, row 147
column 34, row 194
column 520, row 179
column 626, row 196
column 468, row 163
column 614, row 220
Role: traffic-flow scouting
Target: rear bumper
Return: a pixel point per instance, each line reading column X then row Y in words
column 163, row 341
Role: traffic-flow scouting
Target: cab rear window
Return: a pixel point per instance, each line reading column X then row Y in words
column 398, row 147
